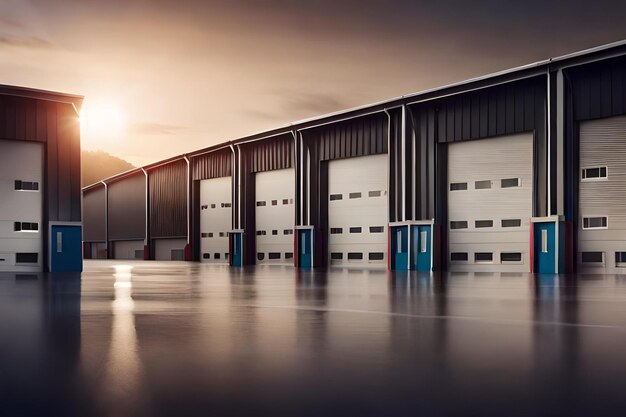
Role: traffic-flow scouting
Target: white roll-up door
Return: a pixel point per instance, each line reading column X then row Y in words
column 490, row 197
column 275, row 217
column 169, row 249
column 21, row 206
column 357, row 211
column 215, row 219
column 128, row 249
column 602, row 195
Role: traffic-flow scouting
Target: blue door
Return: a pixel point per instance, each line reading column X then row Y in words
column 304, row 248
column 399, row 247
column 237, row 249
column 421, row 248
column 545, row 250
column 66, row 246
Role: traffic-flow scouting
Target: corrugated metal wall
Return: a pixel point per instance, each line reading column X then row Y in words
column 270, row 154
column 212, row 165
column 592, row 91
column 127, row 208
column 94, row 223
column 366, row 135
column 599, row 89
column 57, row 125
column 266, row 155
column 168, row 200
column 357, row 137
column 502, row 110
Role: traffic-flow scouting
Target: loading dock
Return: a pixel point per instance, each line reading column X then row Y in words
column 357, row 211
column 490, row 195
column 602, row 195
column 215, row 219
column 274, row 214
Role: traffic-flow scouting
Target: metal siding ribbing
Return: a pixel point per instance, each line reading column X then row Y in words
column 271, row 154
column 168, row 204
column 212, row 165
column 57, row 125
column 94, row 215
column 599, row 89
column 127, row 208
column 362, row 136
column 424, row 155
column 501, row 110
column 358, row 137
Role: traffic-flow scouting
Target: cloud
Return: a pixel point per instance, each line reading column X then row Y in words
column 311, row 103
column 26, row 42
column 293, row 106
column 156, row 129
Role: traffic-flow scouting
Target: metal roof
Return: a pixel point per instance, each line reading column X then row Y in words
column 18, row 91
column 528, row 70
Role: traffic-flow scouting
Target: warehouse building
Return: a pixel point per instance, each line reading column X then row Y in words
column 40, row 207
column 512, row 172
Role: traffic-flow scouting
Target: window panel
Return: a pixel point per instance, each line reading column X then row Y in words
column 510, row 257
column 592, row 257
column 458, row 257
column 509, row 182
column 479, row 224
column 511, row 222
column 458, row 225
column 482, row 185
column 483, row 257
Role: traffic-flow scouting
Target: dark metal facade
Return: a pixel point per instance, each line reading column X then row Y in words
column 167, row 191
column 415, row 131
column 94, row 220
column 127, row 208
column 362, row 136
column 50, row 118
column 55, row 124
column 205, row 166
column 212, row 165
column 505, row 109
column 266, row 155
column 593, row 91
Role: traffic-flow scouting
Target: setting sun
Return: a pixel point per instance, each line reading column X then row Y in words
column 99, row 118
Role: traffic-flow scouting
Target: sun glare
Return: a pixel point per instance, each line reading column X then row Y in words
column 101, row 118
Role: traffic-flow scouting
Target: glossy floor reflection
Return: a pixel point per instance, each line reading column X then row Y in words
column 176, row 339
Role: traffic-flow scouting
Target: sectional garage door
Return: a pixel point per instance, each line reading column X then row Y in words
column 602, row 195
column 21, row 188
column 215, row 219
column 275, row 216
column 357, row 211
column 490, row 196
column 128, row 249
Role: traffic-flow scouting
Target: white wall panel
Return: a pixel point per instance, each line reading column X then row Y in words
column 357, row 211
column 128, row 249
column 21, row 161
column 169, row 249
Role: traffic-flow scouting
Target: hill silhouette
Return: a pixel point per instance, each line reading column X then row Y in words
column 97, row 165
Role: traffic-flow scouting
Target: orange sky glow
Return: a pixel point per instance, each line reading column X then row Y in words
column 162, row 78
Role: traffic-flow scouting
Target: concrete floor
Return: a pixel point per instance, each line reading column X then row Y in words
column 177, row 339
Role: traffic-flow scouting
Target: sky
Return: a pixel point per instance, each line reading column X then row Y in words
column 161, row 78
